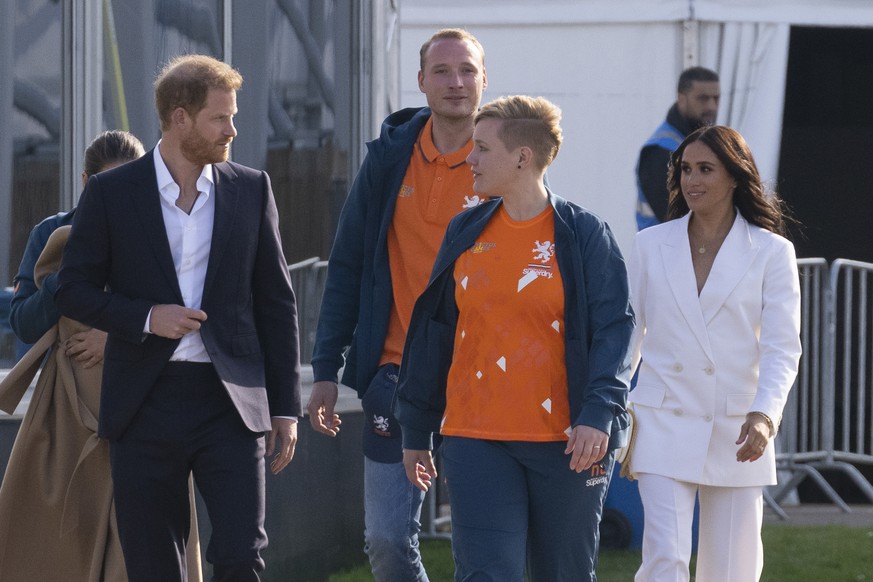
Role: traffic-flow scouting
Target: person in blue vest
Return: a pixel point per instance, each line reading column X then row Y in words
column 696, row 105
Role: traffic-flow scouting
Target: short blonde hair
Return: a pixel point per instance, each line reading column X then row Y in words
column 453, row 34
column 185, row 81
column 527, row 121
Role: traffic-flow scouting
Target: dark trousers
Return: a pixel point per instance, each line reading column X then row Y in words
column 518, row 503
column 188, row 424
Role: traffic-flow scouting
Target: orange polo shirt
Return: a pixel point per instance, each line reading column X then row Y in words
column 508, row 379
column 436, row 188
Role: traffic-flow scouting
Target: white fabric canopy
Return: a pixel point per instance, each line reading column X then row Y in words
column 796, row 12
column 612, row 66
column 533, row 12
column 751, row 60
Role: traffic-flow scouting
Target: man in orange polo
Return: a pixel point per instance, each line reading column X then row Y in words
column 412, row 182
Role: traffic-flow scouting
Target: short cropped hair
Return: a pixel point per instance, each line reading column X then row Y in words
column 185, row 81
column 527, row 121
column 689, row 76
column 449, row 33
column 111, row 147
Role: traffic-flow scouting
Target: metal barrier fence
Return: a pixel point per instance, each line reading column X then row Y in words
column 307, row 278
column 827, row 420
column 800, row 431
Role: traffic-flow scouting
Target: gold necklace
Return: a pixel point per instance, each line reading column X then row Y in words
column 701, row 246
column 717, row 240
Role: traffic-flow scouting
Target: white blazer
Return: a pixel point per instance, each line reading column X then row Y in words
column 709, row 360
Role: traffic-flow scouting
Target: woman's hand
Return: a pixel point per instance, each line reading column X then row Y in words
column 420, row 469
column 754, row 436
column 587, row 445
column 86, row 347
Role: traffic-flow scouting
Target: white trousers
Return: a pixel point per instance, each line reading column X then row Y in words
column 729, row 545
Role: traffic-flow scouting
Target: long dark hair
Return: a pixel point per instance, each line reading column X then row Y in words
column 757, row 207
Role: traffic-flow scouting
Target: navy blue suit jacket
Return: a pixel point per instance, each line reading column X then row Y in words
column 117, row 265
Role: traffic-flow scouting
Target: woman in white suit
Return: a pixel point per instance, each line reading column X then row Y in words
column 717, row 300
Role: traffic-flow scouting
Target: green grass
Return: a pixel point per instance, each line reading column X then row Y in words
column 820, row 553
column 830, row 553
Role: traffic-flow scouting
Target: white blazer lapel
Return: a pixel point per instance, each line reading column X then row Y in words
column 734, row 258
column 676, row 258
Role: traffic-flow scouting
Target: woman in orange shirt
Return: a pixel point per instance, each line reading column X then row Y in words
column 517, row 354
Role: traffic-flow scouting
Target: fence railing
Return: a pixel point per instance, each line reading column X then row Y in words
column 801, row 429
column 827, row 420
column 307, row 279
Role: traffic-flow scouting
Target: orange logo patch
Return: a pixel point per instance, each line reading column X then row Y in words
column 481, row 247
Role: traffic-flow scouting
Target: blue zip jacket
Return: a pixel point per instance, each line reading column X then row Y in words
column 358, row 294
column 32, row 310
column 598, row 320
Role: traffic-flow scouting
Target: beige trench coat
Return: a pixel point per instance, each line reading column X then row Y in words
column 57, row 514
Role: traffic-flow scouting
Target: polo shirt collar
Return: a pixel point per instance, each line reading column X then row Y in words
column 430, row 152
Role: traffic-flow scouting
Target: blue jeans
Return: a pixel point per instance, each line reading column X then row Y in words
column 392, row 513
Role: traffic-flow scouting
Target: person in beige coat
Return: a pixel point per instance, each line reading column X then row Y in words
column 57, row 515
column 717, row 300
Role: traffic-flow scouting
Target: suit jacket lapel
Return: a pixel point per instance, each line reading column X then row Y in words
column 676, row 258
column 731, row 263
column 146, row 198
column 226, row 202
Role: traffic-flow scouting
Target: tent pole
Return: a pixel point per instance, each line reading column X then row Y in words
column 690, row 43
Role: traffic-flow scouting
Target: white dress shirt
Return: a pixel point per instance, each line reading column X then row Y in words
column 190, row 238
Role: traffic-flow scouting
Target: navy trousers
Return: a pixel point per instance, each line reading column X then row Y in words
column 188, row 423
column 517, row 503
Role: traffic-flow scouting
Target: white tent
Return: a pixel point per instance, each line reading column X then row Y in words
column 612, row 66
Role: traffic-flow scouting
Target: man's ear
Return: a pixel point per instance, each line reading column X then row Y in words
column 681, row 103
column 179, row 116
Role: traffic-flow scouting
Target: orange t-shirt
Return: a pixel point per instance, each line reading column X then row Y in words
column 435, row 189
column 508, row 379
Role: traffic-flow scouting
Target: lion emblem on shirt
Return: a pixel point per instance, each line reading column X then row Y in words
column 543, row 252
column 472, row 201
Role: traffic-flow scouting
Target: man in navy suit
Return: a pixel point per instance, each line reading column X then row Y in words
column 178, row 257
